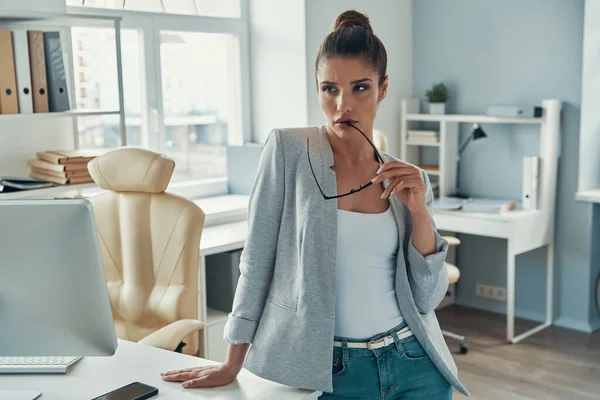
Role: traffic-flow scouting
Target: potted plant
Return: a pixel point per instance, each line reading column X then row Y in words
column 437, row 97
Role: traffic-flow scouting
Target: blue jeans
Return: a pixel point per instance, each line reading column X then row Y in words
column 402, row 370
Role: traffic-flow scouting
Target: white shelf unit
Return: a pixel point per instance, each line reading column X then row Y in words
column 447, row 146
column 46, row 21
column 64, row 114
column 32, row 20
column 448, row 125
column 523, row 230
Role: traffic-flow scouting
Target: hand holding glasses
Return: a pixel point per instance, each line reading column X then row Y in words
column 362, row 187
column 405, row 181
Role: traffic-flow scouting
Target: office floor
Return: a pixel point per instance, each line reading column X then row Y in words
column 556, row 363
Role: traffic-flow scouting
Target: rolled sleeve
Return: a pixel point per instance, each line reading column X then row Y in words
column 239, row 330
column 431, row 264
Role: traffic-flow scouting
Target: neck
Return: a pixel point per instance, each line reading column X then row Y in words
column 352, row 147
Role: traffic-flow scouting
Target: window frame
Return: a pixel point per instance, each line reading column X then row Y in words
column 149, row 25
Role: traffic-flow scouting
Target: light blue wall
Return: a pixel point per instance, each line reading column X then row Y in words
column 512, row 52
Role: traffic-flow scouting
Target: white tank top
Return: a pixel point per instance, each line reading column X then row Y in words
column 367, row 246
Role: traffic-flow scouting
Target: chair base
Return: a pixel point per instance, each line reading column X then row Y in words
column 464, row 349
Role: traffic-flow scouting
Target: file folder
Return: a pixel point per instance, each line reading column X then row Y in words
column 58, row 98
column 37, row 64
column 21, row 51
column 9, row 103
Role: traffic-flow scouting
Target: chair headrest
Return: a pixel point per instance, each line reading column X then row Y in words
column 131, row 169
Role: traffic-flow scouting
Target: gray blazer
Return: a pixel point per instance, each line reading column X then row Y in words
column 285, row 299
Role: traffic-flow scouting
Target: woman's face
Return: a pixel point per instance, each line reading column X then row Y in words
column 349, row 91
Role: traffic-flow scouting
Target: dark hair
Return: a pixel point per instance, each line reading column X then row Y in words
column 353, row 37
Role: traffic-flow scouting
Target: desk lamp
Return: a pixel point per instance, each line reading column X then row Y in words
column 477, row 133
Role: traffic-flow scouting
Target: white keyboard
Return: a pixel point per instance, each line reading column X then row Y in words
column 36, row 365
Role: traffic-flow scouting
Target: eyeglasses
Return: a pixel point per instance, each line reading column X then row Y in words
column 362, row 187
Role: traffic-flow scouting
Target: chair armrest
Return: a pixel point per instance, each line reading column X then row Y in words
column 170, row 336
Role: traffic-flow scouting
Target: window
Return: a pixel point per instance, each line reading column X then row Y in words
column 97, row 85
column 209, row 8
column 200, row 82
column 182, row 80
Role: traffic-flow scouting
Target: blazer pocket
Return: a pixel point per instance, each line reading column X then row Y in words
column 280, row 304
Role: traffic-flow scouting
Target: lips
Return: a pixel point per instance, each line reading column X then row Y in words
column 345, row 121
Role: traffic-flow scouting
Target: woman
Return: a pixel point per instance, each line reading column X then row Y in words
column 337, row 291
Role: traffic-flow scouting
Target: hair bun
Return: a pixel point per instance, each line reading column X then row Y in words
column 352, row 18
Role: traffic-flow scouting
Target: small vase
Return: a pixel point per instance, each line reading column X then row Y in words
column 437, row 108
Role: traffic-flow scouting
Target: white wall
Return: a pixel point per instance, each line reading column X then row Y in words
column 589, row 139
column 392, row 23
column 20, row 139
column 278, row 65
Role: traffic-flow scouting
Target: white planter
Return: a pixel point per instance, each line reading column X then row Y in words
column 437, row 108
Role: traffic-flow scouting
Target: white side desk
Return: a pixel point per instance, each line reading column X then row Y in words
column 523, row 231
column 133, row 362
column 216, row 239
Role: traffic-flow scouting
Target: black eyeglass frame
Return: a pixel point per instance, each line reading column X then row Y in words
column 352, row 191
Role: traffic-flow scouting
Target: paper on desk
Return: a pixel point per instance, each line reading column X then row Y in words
column 449, row 203
column 474, row 204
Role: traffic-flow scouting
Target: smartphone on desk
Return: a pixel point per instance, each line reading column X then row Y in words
column 133, row 391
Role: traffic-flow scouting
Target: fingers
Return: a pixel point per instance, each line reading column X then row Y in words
column 196, row 383
column 398, row 185
column 178, row 371
column 185, row 374
column 395, row 164
column 180, row 377
column 394, row 169
column 394, row 173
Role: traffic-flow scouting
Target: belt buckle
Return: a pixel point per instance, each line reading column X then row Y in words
column 371, row 343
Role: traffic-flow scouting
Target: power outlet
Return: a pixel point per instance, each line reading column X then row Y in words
column 490, row 292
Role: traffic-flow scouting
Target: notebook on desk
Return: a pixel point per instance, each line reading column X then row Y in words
column 473, row 204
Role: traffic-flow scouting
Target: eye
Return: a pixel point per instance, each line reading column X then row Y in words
column 361, row 88
column 329, row 89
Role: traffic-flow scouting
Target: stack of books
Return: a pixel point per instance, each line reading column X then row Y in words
column 65, row 167
column 423, row 136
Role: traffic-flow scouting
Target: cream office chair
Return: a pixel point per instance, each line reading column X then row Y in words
column 380, row 140
column 150, row 243
column 453, row 277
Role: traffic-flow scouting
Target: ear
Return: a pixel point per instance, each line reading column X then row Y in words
column 383, row 90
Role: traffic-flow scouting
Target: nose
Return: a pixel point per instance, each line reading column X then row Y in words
column 344, row 103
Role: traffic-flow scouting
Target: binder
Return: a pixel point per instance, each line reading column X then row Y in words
column 9, row 103
column 530, row 182
column 21, row 51
column 58, row 98
column 37, row 65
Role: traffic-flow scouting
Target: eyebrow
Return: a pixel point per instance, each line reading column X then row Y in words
column 353, row 82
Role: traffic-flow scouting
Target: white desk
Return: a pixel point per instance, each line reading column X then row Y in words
column 216, row 239
column 523, row 231
column 93, row 376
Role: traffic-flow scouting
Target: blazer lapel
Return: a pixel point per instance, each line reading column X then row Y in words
column 328, row 183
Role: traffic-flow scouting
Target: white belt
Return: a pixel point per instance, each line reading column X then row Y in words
column 379, row 343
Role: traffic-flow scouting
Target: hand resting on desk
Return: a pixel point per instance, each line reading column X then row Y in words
column 213, row 375
column 208, row 376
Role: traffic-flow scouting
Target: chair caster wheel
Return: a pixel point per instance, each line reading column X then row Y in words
column 464, row 349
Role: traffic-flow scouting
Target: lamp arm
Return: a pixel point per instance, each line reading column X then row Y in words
column 464, row 145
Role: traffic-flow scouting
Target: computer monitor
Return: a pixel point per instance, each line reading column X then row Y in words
column 53, row 294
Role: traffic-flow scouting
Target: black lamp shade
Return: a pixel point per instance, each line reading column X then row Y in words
column 478, row 133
